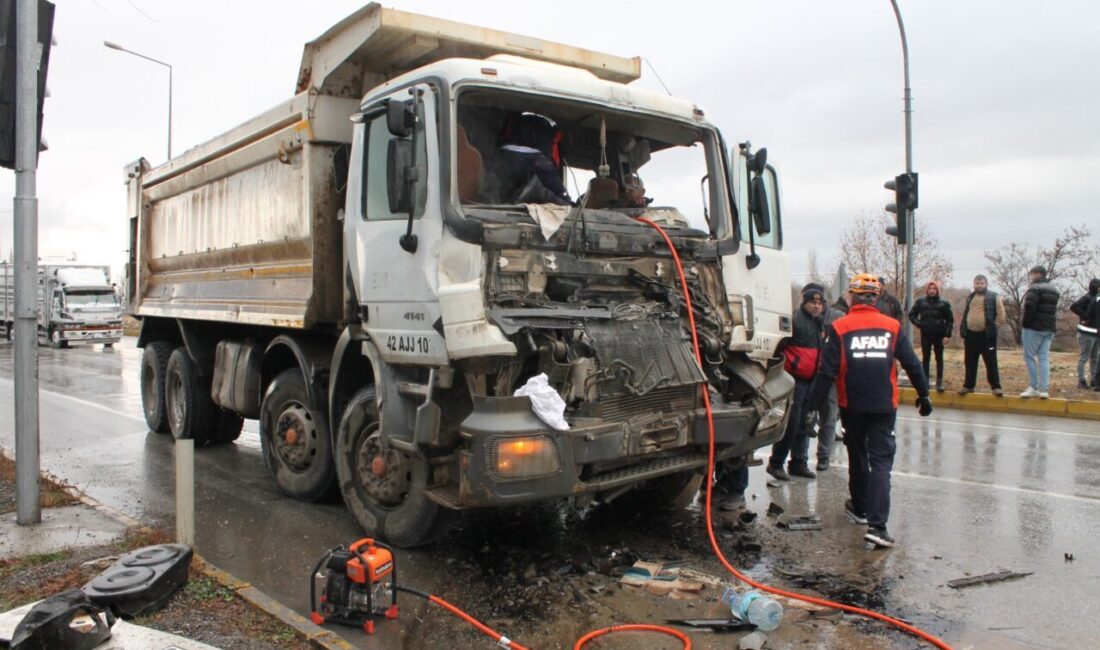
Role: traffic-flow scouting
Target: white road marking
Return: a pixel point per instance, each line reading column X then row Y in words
column 83, row 402
column 995, row 486
column 1002, row 428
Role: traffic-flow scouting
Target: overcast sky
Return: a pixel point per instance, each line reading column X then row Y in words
column 1006, row 100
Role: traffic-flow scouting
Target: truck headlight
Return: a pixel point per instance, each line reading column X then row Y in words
column 523, row 457
column 774, row 415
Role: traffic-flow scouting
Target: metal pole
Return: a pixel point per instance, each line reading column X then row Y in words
column 28, row 509
column 185, row 492
column 910, row 226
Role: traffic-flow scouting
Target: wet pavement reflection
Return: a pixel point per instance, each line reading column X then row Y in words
column 973, row 493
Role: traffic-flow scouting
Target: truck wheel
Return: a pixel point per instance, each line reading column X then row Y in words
column 154, row 365
column 56, row 340
column 384, row 488
column 297, row 451
column 191, row 413
column 7, row 331
column 227, row 427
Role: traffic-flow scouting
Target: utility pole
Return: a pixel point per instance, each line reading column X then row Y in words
column 27, row 60
column 909, row 225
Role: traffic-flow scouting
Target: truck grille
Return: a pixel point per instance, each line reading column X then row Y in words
column 673, row 398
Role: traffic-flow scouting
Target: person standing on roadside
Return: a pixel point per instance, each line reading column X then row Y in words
column 829, row 410
column 1088, row 335
column 888, row 304
column 983, row 314
column 932, row 316
column 1039, row 321
column 802, row 352
column 860, row 355
column 1092, row 314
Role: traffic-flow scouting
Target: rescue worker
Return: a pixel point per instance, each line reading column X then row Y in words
column 527, row 168
column 859, row 354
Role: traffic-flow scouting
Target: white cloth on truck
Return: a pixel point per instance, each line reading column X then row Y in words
column 548, row 216
column 545, row 401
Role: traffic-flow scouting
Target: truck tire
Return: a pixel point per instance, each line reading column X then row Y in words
column 385, row 489
column 154, row 364
column 55, row 339
column 191, row 413
column 7, row 331
column 296, row 450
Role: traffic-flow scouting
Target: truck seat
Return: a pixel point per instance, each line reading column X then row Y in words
column 470, row 169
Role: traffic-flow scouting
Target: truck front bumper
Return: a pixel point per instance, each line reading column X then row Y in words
column 512, row 457
column 92, row 335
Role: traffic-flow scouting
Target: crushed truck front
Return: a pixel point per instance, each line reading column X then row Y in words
column 587, row 295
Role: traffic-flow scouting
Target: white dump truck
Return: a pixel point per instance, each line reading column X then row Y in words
column 76, row 304
column 439, row 215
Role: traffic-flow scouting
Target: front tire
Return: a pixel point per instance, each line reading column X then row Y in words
column 56, row 340
column 154, row 365
column 297, row 448
column 385, row 488
column 191, row 414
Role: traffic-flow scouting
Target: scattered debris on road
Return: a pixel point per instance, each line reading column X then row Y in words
column 754, row 641
column 987, row 578
column 799, row 522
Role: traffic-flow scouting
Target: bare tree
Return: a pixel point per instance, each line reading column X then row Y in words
column 1068, row 261
column 866, row 248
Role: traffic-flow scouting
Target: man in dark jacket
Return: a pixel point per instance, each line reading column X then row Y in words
column 932, row 316
column 984, row 312
column 802, row 351
column 526, row 169
column 888, row 304
column 1039, row 321
column 860, row 355
column 1088, row 335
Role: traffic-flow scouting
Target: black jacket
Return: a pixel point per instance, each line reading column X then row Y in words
column 932, row 315
column 1083, row 304
column 1041, row 306
column 891, row 306
column 807, row 331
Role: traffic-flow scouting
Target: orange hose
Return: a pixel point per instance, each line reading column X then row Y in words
column 633, row 628
column 484, row 629
column 710, row 473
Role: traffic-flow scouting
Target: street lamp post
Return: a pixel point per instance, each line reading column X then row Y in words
column 910, row 226
column 116, row 46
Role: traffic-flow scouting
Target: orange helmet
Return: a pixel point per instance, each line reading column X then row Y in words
column 865, row 283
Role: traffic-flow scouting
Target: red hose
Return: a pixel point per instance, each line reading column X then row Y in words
column 710, row 472
column 484, row 629
column 633, row 628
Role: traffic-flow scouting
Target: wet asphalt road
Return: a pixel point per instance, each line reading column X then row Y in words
column 973, row 493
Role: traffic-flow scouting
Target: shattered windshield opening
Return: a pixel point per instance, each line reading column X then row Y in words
column 516, row 150
column 91, row 299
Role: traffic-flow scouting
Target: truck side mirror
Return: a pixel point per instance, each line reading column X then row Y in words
column 399, row 165
column 400, row 118
column 758, row 205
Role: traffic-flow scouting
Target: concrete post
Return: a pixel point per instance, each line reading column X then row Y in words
column 185, row 492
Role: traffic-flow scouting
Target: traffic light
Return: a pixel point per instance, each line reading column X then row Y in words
column 904, row 187
column 7, row 74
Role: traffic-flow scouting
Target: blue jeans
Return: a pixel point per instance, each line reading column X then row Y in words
column 794, row 441
column 1037, row 358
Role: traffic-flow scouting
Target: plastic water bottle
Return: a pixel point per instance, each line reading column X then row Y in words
column 754, row 607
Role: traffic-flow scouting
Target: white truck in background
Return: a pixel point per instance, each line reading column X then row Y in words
column 358, row 269
column 76, row 304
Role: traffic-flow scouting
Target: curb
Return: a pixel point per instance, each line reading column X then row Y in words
column 317, row 636
column 1066, row 408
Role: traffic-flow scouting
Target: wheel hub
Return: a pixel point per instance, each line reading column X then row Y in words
column 385, row 472
column 295, row 434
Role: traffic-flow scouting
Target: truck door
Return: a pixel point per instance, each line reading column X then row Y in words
column 757, row 275
column 396, row 288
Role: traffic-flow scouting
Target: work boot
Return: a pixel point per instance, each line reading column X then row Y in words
column 879, row 537
column 732, row 502
column 856, row 517
column 778, row 472
column 1030, row 392
column 965, row 390
column 823, row 464
column 997, row 392
column 801, row 468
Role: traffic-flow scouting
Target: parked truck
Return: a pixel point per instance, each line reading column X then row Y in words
column 76, row 304
column 373, row 267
